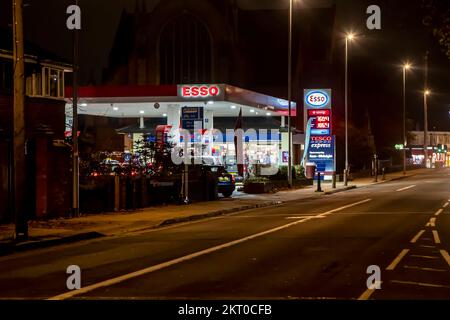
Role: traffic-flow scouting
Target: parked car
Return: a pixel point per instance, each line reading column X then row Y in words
column 225, row 181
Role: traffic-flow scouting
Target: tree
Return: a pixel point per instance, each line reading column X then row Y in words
column 437, row 19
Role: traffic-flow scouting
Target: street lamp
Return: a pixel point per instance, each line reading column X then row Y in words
column 406, row 67
column 291, row 3
column 426, row 93
column 349, row 37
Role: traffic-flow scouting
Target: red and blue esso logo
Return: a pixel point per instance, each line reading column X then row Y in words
column 317, row 99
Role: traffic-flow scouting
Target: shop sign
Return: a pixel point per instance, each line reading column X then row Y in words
column 199, row 91
column 192, row 118
column 321, row 151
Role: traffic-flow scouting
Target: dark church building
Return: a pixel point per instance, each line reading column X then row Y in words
column 242, row 43
column 238, row 42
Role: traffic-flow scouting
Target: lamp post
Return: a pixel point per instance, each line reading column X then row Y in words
column 349, row 37
column 426, row 93
column 290, row 95
column 406, row 67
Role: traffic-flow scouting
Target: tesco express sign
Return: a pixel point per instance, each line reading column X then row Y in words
column 317, row 99
column 201, row 91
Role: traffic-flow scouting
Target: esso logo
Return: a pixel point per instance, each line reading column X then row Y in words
column 199, row 91
column 317, row 99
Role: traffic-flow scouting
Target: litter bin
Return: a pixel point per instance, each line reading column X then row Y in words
column 310, row 170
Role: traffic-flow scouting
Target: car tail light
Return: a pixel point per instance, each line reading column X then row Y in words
column 233, row 178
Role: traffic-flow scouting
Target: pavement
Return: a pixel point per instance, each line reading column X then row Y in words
column 395, row 235
column 64, row 230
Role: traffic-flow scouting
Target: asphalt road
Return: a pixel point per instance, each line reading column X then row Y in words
column 319, row 248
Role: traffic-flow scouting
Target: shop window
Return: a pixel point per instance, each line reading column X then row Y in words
column 50, row 83
column 185, row 51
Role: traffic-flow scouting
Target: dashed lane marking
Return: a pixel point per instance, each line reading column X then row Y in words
column 406, row 188
column 445, row 205
column 417, row 236
column 438, row 212
column 397, row 260
column 432, row 222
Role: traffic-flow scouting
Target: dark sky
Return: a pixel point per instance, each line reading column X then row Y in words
column 378, row 53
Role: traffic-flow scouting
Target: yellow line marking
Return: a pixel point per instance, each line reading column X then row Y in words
column 424, row 269
column 397, row 259
column 424, row 257
column 446, row 256
column 188, row 257
column 422, row 284
column 436, row 237
column 366, row 294
column 418, row 235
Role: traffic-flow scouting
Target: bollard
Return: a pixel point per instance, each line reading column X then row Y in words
column 345, row 178
column 384, row 173
column 334, row 180
column 319, row 186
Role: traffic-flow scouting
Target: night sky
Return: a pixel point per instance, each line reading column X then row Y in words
column 376, row 56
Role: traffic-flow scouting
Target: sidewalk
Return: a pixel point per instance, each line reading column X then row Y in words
column 46, row 233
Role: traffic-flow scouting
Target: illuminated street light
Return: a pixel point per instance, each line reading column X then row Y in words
column 348, row 37
column 406, row 67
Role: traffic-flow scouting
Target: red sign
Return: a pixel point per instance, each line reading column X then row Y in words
column 200, row 91
column 162, row 133
column 322, row 118
column 315, row 113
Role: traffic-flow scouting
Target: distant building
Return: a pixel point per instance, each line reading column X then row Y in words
column 47, row 156
column 438, row 143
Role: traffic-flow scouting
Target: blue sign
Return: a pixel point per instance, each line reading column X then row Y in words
column 321, row 151
column 320, row 132
column 192, row 118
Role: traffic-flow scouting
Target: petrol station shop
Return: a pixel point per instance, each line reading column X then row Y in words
column 199, row 109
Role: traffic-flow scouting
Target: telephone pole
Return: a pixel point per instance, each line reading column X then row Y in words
column 75, row 151
column 18, row 117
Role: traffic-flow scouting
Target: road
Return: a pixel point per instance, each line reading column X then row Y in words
column 317, row 248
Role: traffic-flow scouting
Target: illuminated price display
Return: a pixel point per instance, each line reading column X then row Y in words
column 321, row 125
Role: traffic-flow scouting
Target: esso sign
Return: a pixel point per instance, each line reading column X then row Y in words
column 317, row 99
column 199, row 91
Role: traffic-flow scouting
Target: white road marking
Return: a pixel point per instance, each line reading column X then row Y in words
column 438, row 212
column 445, row 205
column 423, row 257
column 397, row 260
column 437, row 240
column 424, row 269
column 422, row 284
column 308, row 217
column 414, row 240
column 406, row 188
column 446, row 256
column 425, row 246
column 188, row 257
column 366, row 295
column 432, row 222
